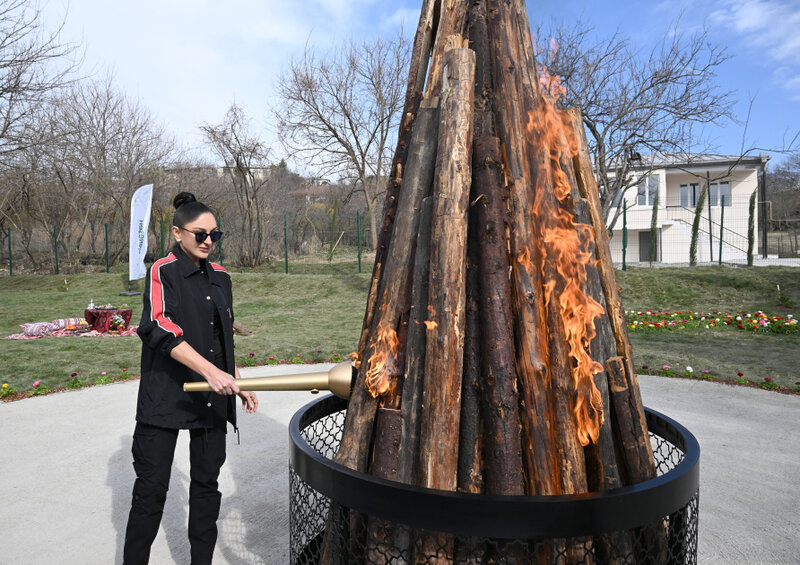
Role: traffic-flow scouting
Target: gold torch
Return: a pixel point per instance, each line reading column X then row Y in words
column 339, row 380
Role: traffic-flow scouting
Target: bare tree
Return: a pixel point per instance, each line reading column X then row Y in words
column 95, row 148
column 635, row 104
column 340, row 111
column 246, row 166
column 33, row 63
column 107, row 145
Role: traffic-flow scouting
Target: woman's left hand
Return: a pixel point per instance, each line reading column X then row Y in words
column 249, row 401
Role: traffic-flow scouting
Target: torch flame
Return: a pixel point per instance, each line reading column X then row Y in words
column 382, row 363
column 567, row 246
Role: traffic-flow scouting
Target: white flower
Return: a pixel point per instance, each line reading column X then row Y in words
column 689, row 370
column 738, row 318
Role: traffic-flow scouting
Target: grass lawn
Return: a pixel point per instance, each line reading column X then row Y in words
column 318, row 310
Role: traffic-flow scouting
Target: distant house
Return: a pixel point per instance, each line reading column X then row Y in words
column 678, row 181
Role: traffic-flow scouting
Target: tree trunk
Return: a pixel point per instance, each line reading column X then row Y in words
column 503, row 447
column 470, row 448
column 513, row 94
column 587, row 186
column 394, row 287
column 444, row 356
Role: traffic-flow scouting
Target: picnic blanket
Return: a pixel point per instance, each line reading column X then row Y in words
column 58, row 328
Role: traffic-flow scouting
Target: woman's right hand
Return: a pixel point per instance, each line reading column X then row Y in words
column 221, row 382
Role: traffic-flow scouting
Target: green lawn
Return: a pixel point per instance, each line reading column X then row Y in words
column 318, row 311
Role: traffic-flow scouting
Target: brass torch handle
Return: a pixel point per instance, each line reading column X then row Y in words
column 338, row 380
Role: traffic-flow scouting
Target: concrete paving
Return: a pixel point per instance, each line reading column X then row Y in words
column 66, row 475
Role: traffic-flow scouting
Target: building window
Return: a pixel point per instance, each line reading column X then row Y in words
column 719, row 191
column 690, row 194
column 647, row 191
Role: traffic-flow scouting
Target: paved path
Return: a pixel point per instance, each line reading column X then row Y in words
column 66, row 475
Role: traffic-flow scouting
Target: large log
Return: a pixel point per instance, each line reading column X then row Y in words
column 408, row 450
column 587, row 185
column 503, row 447
column 570, row 312
column 444, row 350
column 420, row 55
column 514, row 94
column 479, row 42
column 395, row 287
column 470, row 440
column 441, row 405
column 602, row 471
column 415, row 357
column 449, row 35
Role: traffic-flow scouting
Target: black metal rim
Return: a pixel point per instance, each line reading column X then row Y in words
column 521, row 517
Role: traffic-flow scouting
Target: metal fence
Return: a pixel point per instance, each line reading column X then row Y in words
column 287, row 241
column 723, row 237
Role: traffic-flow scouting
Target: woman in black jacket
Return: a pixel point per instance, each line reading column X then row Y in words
column 187, row 335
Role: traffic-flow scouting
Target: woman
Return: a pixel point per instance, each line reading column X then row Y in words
column 187, row 335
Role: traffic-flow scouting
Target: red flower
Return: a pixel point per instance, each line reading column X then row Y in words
column 740, row 374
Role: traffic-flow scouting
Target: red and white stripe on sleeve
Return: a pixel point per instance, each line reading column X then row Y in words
column 157, row 297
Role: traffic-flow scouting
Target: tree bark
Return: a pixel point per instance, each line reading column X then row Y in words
column 587, row 185
column 449, row 35
column 394, row 288
column 470, row 444
column 503, row 447
column 444, row 352
column 415, row 347
column 514, row 93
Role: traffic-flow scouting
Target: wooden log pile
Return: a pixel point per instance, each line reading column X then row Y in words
column 494, row 356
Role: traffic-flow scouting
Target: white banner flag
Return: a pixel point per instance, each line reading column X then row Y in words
column 140, row 219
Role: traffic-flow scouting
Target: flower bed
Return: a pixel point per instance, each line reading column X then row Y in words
column 649, row 320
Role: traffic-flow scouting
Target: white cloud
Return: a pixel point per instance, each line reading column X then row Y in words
column 768, row 24
column 771, row 27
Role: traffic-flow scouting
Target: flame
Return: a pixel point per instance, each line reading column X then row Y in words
column 430, row 324
column 383, row 362
column 353, row 356
column 565, row 246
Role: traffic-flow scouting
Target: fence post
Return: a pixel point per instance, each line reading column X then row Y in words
column 162, row 237
column 106, row 230
column 358, row 238
column 710, row 223
column 220, row 242
column 721, row 225
column 624, row 233
column 55, row 245
column 10, row 260
column 285, row 247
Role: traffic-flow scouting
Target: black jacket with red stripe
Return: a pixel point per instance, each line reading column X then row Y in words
column 180, row 300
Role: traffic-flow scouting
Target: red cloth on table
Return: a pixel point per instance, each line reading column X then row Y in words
column 98, row 318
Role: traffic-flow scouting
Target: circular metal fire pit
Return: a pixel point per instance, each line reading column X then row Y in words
column 342, row 516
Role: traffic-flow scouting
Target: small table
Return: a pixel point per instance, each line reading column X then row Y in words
column 98, row 318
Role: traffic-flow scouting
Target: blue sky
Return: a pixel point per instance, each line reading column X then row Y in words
column 187, row 60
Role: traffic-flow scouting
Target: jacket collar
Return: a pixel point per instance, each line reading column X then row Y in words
column 188, row 268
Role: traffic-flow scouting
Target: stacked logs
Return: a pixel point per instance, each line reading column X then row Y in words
column 494, row 356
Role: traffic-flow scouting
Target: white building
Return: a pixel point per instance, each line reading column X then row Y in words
column 678, row 182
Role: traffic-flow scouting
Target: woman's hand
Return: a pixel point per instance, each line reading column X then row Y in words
column 249, row 401
column 221, row 382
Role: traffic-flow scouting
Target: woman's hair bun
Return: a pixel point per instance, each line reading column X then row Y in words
column 183, row 198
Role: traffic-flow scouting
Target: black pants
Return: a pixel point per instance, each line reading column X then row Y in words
column 153, row 451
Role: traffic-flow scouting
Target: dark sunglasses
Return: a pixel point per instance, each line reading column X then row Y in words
column 200, row 236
